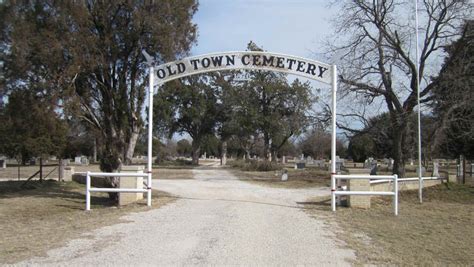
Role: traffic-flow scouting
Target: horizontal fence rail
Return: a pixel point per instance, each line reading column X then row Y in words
column 90, row 189
column 385, row 178
column 404, row 179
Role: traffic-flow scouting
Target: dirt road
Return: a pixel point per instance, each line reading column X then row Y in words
column 217, row 220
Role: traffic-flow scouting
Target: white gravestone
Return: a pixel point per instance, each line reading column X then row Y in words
column 284, row 175
column 423, row 171
column 435, row 169
column 390, row 163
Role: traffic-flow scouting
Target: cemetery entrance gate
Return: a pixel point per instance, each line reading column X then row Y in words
column 246, row 60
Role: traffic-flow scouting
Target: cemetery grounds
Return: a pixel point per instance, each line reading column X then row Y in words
column 439, row 231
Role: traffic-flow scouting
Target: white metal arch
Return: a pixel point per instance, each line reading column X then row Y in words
column 247, row 60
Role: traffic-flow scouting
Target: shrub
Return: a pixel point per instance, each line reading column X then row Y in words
column 254, row 165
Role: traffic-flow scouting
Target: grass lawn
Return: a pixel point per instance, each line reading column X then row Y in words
column 296, row 178
column 438, row 232
column 35, row 220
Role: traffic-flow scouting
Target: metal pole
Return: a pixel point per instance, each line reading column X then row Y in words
column 41, row 170
column 395, row 197
column 333, row 138
column 150, row 133
column 88, row 193
column 333, row 193
column 420, row 180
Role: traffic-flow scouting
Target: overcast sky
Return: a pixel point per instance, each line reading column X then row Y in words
column 283, row 26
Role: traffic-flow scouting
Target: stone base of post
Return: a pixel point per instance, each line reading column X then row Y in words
column 68, row 172
column 131, row 182
column 359, row 185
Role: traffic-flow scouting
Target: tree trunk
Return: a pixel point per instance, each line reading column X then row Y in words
column 131, row 147
column 224, row 153
column 274, row 156
column 399, row 128
column 266, row 146
column 196, row 153
column 111, row 159
column 247, row 152
column 95, row 151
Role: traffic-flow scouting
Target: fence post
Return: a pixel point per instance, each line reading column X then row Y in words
column 60, row 170
column 395, row 197
column 333, row 192
column 148, row 195
column 88, row 193
column 41, row 170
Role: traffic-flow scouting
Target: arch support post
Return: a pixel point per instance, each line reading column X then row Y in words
column 333, row 137
column 150, row 134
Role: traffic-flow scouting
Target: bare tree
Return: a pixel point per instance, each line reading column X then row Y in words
column 376, row 44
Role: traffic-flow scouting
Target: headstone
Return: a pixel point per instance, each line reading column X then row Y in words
column 423, row 171
column 77, row 160
column 373, row 167
column 3, row 163
column 283, row 160
column 32, row 161
column 284, row 175
column 319, row 163
column 338, row 165
column 300, row 165
column 84, row 160
column 411, row 162
column 390, row 163
column 302, row 157
column 368, row 163
column 435, row 169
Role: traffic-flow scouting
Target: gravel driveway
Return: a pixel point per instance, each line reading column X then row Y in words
column 217, row 220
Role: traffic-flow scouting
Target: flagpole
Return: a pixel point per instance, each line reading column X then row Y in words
column 420, row 179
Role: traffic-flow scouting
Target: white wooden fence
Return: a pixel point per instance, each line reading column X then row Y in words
column 90, row 189
column 394, row 193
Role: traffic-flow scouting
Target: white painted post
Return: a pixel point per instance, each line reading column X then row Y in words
column 420, row 179
column 333, row 192
column 395, row 197
column 333, row 138
column 88, row 193
column 150, row 133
